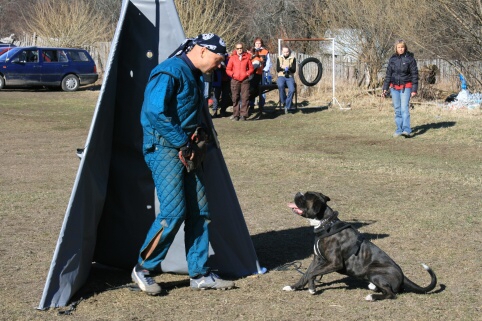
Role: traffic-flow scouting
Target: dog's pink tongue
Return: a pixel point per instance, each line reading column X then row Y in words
column 295, row 208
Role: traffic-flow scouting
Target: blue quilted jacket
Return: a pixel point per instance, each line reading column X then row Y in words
column 172, row 104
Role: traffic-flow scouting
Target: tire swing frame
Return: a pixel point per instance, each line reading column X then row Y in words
column 332, row 40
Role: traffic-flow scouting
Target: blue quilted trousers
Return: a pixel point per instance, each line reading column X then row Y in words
column 182, row 199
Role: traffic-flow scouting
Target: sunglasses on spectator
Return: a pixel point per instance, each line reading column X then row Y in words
column 239, row 48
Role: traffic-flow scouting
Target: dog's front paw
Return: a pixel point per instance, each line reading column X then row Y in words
column 369, row 298
column 372, row 287
column 288, row 288
column 311, row 291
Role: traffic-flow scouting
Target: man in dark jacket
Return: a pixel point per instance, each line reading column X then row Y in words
column 402, row 80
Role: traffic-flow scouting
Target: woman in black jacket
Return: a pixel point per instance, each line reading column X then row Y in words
column 402, row 79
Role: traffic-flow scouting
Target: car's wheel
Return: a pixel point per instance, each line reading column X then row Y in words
column 2, row 82
column 307, row 63
column 70, row 83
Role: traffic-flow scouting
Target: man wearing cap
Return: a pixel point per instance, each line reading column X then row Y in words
column 171, row 118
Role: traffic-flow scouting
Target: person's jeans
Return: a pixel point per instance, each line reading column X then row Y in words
column 401, row 100
column 290, row 83
column 264, row 81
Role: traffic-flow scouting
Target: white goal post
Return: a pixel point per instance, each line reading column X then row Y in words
column 334, row 100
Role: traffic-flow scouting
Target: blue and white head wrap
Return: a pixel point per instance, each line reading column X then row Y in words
column 210, row 41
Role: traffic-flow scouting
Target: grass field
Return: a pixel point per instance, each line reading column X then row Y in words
column 419, row 199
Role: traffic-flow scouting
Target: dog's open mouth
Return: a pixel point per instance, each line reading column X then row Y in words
column 295, row 208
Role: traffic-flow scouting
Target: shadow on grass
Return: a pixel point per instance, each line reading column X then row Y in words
column 272, row 111
column 422, row 129
column 351, row 283
column 313, row 109
column 273, row 248
column 441, row 288
column 278, row 248
column 102, row 279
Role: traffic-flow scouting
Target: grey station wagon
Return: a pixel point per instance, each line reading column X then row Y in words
column 67, row 68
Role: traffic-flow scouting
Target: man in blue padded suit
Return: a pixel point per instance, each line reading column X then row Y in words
column 174, row 146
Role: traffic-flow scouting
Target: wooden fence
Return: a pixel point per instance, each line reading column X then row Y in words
column 351, row 72
column 347, row 72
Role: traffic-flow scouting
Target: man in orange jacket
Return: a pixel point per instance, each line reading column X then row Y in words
column 240, row 69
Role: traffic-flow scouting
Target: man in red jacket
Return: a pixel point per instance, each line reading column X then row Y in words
column 240, row 69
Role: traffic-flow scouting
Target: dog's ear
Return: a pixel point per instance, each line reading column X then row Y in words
column 325, row 198
column 316, row 207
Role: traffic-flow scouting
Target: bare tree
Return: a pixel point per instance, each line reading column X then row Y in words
column 204, row 16
column 67, row 23
column 274, row 19
column 364, row 32
column 9, row 12
column 451, row 30
column 108, row 9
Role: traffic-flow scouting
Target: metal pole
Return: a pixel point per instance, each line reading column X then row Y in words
column 333, row 67
column 334, row 100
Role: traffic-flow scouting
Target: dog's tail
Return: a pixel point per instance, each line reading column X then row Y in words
column 408, row 285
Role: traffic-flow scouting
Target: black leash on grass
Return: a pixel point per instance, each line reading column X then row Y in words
column 73, row 305
column 287, row 266
column 71, row 308
column 297, row 267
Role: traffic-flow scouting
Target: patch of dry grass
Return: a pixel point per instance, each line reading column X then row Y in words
column 418, row 199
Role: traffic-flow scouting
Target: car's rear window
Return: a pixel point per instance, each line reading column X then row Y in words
column 75, row 55
column 53, row 55
column 50, row 56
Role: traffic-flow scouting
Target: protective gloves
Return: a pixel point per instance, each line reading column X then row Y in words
column 192, row 154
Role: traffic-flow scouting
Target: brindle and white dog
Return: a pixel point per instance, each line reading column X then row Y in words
column 339, row 247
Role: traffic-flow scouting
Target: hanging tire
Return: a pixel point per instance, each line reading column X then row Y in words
column 70, row 83
column 319, row 71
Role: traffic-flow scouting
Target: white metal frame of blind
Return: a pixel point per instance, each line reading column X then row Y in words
column 334, row 100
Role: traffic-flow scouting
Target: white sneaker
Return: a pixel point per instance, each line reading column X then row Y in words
column 211, row 281
column 142, row 278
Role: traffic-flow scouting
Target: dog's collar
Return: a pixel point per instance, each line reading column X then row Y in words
column 327, row 222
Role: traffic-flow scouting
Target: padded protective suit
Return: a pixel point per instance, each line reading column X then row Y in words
column 170, row 113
